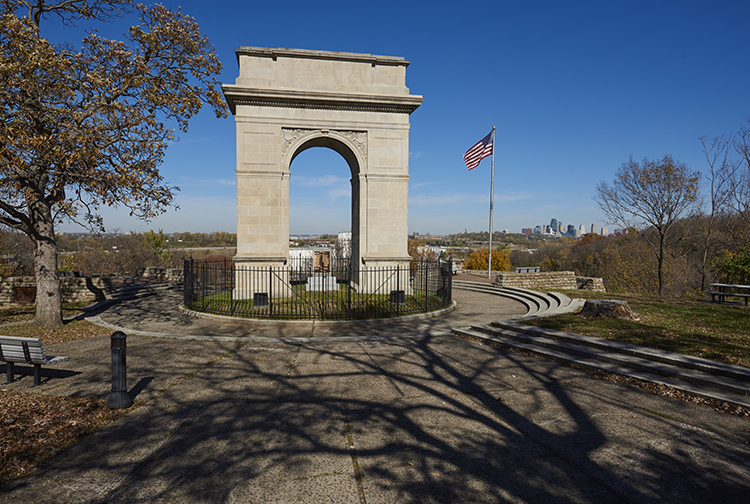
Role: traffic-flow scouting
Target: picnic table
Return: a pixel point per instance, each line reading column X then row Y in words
column 723, row 291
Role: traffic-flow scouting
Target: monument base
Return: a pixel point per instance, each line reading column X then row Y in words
column 383, row 274
column 322, row 282
column 265, row 276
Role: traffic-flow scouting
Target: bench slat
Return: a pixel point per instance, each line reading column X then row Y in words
column 17, row 355
column 9, row 350
column 17, row 340
column 48, row 359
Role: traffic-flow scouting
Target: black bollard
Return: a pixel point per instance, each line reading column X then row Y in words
column 119, row 398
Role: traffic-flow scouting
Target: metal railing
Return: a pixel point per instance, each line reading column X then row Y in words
column 299, row 291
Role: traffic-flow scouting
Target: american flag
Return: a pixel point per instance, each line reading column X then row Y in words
column 479, row 151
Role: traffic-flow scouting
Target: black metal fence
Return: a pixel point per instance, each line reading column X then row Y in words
column 300, row 291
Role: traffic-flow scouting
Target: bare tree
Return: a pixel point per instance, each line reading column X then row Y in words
column 722, row 180
column 739, row 199
column 650, row 196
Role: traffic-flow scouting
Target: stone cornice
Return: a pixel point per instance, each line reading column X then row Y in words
column 238, row 95
column 268, row 52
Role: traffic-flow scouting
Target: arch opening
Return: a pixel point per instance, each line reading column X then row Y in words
column 320, row 193
column 333, row 144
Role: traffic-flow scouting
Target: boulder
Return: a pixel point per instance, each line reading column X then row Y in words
column 610, row 308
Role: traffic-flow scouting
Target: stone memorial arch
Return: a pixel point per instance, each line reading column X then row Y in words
column 288, row 100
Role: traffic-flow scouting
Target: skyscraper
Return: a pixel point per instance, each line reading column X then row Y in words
column 593, row 228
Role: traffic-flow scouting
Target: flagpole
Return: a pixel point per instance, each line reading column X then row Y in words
column 492, row 197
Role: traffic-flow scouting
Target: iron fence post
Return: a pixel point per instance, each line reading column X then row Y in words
column 186, row 282
column 398, row 289
column 231, row 289
column 425, row 274
column 447, row 280
column 450, row 285
column 203, row 286
column 270, row 292
column 349, row 292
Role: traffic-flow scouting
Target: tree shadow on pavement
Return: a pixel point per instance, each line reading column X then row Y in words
column 430, row 420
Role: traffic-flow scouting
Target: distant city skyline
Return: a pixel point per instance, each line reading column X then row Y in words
column 558, row 227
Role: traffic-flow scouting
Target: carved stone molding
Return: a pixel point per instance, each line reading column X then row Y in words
column 358, row 138
column 288, row 136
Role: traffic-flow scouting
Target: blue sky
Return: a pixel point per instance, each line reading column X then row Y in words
column 574, row 88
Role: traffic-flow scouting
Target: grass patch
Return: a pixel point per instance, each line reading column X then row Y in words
column 70, row 331
column 74, row 330
column 327, row 305
column 697, row 327
column 28, row 312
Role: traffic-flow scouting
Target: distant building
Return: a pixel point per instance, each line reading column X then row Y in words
column 345, row 243
column 571, row 230
column 526, row 231
column 593, row 228
column 605, row 231
column 582, row 230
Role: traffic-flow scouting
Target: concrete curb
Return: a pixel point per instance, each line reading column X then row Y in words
column 98, row 321
column 325, row 323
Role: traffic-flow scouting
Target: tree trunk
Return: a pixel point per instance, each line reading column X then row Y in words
column 660, row 264
column 48, row 299
column 703, row 267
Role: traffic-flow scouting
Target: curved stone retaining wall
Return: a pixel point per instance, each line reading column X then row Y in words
column 167, row 274
column 549, row 280
column 73, row 289
column 590, row 284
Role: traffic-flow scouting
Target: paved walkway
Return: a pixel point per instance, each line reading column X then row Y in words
column 232, row 413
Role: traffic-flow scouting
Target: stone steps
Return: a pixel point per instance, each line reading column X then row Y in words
column 538, row 304
column 145, row 289
column 702, row 377
column 134, row 292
